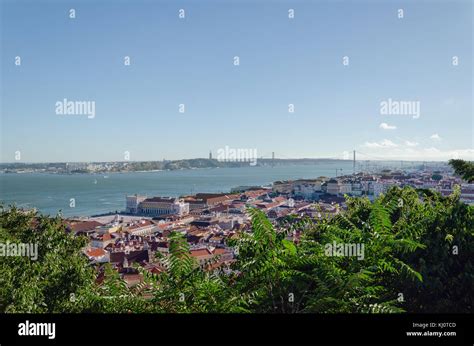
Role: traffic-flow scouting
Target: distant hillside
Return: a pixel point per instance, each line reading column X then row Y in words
column 135, row 166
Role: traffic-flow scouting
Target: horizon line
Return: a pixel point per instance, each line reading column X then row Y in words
column 204, row 158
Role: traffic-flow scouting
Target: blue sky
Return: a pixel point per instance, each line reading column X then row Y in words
column 190, row 61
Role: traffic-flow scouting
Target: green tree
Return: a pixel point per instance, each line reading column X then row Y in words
column 465, row 169
column 53, row 281
column 446, row 228
column 287, row 278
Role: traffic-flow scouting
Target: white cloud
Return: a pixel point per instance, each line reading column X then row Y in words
column 421, row 154
column 411, row 144
column 432, row 150
column 386, row 143
column 435, row 137
column 386, row 126
column 411, row 151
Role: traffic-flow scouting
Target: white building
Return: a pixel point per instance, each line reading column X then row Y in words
column 157, row 206
column 382, row 187
column 142, row 228
column 306, row 188
column 132, row 203
column 345, row 187
column 467, row 193
column 357, row 188
column 333, row 187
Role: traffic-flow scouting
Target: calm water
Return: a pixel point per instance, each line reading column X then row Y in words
column 95, row 194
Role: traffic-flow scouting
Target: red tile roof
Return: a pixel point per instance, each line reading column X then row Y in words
column 142, row 223
column 219, row 251
column 200, row 252
column 95, row 252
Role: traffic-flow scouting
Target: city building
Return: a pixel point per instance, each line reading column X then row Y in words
column 467, row 193
column 163, row 206
column 132, row 203
column 156, row 206
column 307, row 188
column 383, row 186
column 283, row 187
column 333, row 187
column 141, row 228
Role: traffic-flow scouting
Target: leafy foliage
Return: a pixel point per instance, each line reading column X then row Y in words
column 46, row 284
column 463, row 168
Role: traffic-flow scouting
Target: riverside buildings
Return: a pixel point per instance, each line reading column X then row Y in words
column 371, row 185
column 156, row 206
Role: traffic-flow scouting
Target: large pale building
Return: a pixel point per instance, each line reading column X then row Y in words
column 132, row 203
column 383, row 186
column 163, row 206
column 333, row 187
column 142, row 228
column 307, row 188
column 345, row 186
column 156, row 206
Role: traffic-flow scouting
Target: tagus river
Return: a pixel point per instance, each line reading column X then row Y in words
column 96, row 194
